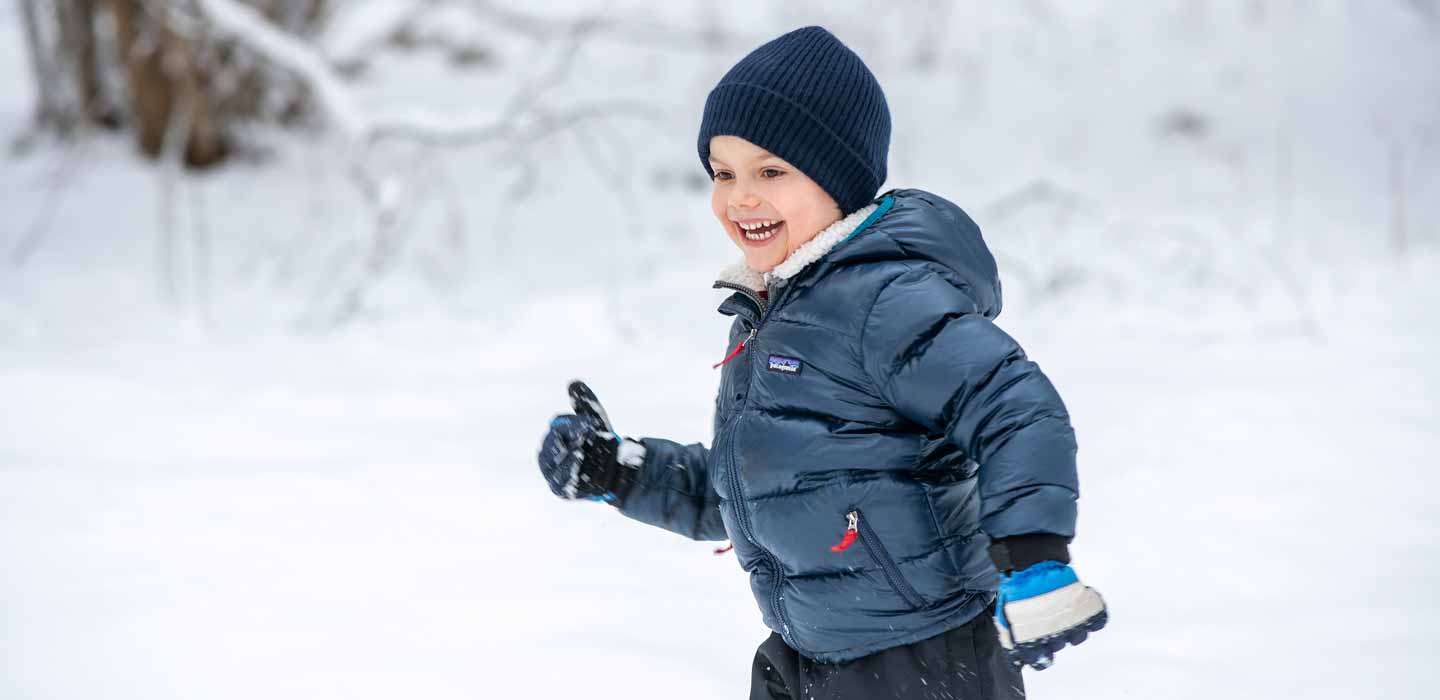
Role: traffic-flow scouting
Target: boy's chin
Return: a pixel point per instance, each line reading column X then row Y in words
column 764, row 265
column 762, row 259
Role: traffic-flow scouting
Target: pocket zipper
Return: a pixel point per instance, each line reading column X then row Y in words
column 879, row 556
column 852, row 530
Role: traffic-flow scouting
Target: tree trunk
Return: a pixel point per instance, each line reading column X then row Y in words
column 206, row 143
column 48, row 111
column 194, row 84
column 81, row 46
column 141, row 49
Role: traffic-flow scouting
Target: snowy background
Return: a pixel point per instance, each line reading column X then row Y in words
column 240, row 458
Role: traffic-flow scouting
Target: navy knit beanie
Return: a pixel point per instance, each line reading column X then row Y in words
column 810, row 100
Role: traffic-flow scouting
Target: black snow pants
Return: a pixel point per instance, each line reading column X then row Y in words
column 965, row 663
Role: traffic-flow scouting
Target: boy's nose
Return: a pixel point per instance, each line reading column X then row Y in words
column 743, row 198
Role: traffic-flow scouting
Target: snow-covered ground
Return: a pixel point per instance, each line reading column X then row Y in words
column 208, row 504
column 359, row 516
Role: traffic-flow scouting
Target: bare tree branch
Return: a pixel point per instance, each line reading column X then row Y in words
column 630, row 31
column 393, row 190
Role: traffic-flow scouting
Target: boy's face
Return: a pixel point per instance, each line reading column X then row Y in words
column 753, row 187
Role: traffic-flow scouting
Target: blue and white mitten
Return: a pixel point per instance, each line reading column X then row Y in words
column 1042, row 608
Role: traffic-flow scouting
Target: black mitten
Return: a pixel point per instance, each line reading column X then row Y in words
column 582, row 457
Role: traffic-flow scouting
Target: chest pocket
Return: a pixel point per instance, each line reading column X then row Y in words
column 814, row 369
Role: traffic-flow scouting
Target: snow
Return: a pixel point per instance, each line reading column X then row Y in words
column 198, row 500
column 360, row 516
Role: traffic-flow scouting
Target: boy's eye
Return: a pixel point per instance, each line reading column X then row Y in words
column 721, row 175
column 771, row 172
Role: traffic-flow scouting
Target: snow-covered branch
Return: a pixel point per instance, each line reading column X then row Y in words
column 630, row 30
column 394, row 180
column 249, row 27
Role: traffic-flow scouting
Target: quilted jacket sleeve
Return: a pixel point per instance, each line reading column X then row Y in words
column 672, row 490
column 940, row 363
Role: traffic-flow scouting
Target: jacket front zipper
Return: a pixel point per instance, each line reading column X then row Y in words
column 737, row 349
column 748, row 292
column 742, row 519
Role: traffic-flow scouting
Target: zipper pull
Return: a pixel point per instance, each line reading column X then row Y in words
column 737, row 349
column 719, row 551
column 852, row 530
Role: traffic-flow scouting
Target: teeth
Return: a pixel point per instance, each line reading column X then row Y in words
column 756, row 225
column 760, row 236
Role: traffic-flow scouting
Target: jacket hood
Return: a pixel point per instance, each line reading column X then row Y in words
column 922, row 226
column 900, row 225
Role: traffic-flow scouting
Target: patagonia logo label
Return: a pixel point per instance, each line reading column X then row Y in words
column 788, row 365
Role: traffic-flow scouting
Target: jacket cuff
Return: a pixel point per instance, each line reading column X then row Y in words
column 1023, row 551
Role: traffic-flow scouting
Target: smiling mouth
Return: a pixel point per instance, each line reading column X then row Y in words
column 759, row 232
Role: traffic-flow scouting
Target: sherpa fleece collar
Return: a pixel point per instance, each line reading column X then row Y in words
column 812, row 250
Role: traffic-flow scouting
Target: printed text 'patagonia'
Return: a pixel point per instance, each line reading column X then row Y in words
column 788, row 365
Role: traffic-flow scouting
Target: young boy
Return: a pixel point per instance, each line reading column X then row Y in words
column 885, row 458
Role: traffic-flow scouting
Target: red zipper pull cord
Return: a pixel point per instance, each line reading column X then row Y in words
column 719, row 551
column 736, row 351
column 852, row 530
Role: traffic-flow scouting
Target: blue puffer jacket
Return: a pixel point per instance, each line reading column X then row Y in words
column 874, row 394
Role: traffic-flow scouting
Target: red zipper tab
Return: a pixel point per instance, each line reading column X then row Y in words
column 736, row 351
column 720, row 551
column 852, row 530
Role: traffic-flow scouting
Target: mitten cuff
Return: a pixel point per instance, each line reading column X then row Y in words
column 630, row 455
column 1023, row 551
